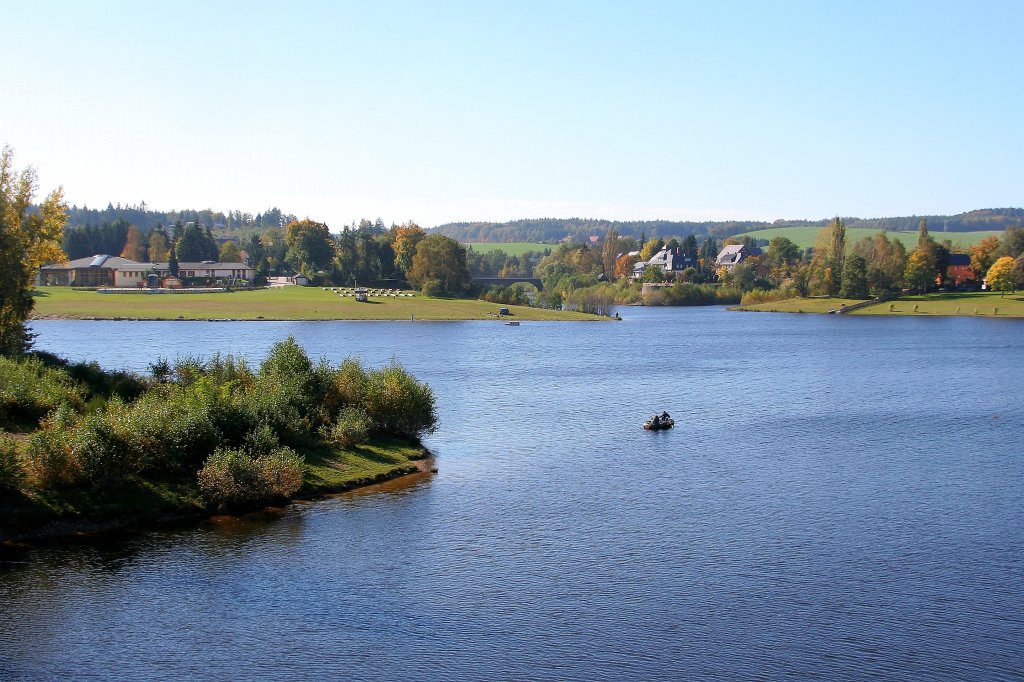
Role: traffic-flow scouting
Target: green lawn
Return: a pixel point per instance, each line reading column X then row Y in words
column 282, row 303
column 805, row 236
column 981, row 304
column 511, row 248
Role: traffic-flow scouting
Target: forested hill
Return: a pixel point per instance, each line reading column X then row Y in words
column 554, row 229
column 145, row 218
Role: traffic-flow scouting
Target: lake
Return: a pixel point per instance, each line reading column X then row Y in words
column 842, row 498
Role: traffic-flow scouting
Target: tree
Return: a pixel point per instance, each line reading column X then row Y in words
column 310, row 246
column 609, row 253
column 133, row 248
column 1013, row 242
column 983, row 255
column 650, row 248
column 404, row 242
column 172, row 262
column 229, row 252
column 158, row 248
column 1002, row 276
column 828, row 259
column 440, row 266
column 920, row 270
column 194, row 244
column 855, row 278
column 28, row 240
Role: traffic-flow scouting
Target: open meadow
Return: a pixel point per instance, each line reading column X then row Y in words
column 805, row 237
column 279, row 303
column 510, row 248
column 972, row 303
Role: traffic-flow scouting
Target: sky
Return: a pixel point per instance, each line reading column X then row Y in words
column 463, row 111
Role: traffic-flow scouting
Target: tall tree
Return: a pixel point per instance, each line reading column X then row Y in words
column 405, row 240
column 28, row 240
column 609, row 252
column 133, row 247
column 855, row 278
column 158, row 248
column 983, row 255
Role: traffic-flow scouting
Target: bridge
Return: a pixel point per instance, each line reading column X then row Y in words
column 507, row 281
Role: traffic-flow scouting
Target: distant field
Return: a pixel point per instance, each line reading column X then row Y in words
column 980, row 304
column 511, row 248
column 805, row 236
column 282, row 303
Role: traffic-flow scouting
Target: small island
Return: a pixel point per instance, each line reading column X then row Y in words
column 83, row 449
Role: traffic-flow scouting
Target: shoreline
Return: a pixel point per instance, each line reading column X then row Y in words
column 421, row 463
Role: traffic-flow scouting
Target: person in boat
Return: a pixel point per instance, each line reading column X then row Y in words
column 665, row 415
column 655, row 421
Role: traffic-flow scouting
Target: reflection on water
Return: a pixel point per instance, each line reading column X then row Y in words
column 841, row 498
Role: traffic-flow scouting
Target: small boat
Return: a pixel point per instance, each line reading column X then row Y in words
column 666, row 423
column 511, row 324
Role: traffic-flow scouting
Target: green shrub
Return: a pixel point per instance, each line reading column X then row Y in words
column 11, row 473
column 29, row 390
column 349, row 383
column 261, row 441
column 771, row 296
column 230, row 478
column 49, row 461
column 352, row 427
column 397, row 403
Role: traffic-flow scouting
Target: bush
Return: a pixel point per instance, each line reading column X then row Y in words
column 49, row 461
column 29, row 390
column 351, row 428
column 230, row 478
column 397, row 403
column 771, row 296
column 11, row 473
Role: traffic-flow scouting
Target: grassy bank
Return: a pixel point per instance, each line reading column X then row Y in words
column 280, row 303
column 138, row 501
column 83, row 449
column 973, row 304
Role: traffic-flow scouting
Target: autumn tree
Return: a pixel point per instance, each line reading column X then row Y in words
column 29, row 238
column 920, row 270
column 439, row 266
column 610, row 252
column 133, row 247
column 229, row 252
column 1002, row 276
column 983, row 255
column 158, row 247
column 829, row 257
column 405, row 238
column 652, row 247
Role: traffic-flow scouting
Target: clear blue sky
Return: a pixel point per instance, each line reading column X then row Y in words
column 439, row 111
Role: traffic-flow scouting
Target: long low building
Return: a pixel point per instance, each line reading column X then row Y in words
column 114, row 271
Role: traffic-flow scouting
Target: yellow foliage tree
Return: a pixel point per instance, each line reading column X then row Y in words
column 28, row 240
column 133, row 248
column 1002, row 276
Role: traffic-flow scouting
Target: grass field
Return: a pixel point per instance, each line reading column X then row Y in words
column 511, row 248
column 806, row 236
column 282, row 303
column 973, row 304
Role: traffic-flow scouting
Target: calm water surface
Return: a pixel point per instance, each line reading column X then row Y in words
column 843, row 499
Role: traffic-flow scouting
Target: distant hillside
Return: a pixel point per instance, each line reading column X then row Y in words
column 146, row 219
column 555, row 229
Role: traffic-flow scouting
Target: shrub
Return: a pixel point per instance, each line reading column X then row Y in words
column 11, row 473
column 230, row 478
column 29, row 390
column 397, row 403
column 351, row 428
column 349, row 383
column 49, row 462
column 772, row 295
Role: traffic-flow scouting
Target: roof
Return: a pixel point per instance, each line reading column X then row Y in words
column 98, row 261
column 959, row 259
column 202, row 265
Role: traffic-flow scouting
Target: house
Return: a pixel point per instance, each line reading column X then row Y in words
column 92, row 271
column 734, row 254
column 959, row 270
column 114, row 271
column 300, row 280
column 670, row 261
